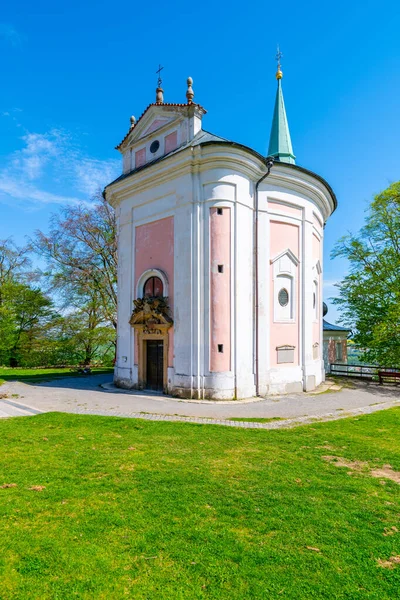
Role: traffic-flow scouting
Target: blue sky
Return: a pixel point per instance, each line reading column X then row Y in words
column 73, row 73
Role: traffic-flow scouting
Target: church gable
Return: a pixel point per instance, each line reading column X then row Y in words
column 156, row 124
column 161, row 129
column 154, row 119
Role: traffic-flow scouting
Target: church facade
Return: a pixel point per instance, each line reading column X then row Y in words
column 220, row 259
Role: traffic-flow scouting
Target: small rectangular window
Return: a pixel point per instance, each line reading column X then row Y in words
column 219, row 211
column 220, row 347
column 220, row 268
column 339, row 351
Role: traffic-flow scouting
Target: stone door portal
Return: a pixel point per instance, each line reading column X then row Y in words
column 151, row 321
column 155, row 365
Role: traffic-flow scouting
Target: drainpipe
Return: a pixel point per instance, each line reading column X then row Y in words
column 269, row 161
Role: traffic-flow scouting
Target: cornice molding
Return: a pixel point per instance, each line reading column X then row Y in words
column 235, row 159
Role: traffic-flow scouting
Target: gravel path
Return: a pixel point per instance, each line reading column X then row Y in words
column 84, row 395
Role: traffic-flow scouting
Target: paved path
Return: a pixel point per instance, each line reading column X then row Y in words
column 9, row 408
column 83, row 395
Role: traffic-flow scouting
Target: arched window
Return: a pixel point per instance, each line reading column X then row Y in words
column 284, row 286
column 284, row 290
column 153, row 287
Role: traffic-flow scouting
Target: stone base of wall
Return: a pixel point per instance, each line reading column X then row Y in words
column 203, row 394
column 123, row 383
column 277, row 381
column 291, row 387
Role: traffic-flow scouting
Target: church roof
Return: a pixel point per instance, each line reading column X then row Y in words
column 206, row 138
column 280, row 144
column 330, row 327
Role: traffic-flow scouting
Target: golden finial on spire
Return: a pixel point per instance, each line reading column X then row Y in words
column 278, row 57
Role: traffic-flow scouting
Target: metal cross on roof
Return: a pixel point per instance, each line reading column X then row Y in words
column 160, row 68
column 278, row 56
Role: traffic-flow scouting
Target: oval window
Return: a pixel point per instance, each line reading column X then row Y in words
column 283, row 297
column 154, row 146
column 153, row 288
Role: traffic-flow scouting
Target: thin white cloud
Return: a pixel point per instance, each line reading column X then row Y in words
column 9, row 35
column 15, row 189
column 92, row 174
column 32, row 159
column 47, row 166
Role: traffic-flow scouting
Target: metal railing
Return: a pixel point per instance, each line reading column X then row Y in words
column 362, row 371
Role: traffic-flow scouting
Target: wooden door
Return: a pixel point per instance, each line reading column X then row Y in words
column 155, row 365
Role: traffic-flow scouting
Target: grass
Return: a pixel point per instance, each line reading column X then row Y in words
column 117, row 508
column 41, row 375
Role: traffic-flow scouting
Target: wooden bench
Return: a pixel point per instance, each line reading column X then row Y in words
column 386, row 375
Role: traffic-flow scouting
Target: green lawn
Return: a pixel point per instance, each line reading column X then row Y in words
column 110, row 508
column 40, row 375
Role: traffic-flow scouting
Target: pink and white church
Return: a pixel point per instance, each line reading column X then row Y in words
column 220, row 259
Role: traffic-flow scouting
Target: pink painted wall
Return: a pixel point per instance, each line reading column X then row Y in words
column 284, row 236
column 283, row 208
column 220, row 289
column 140, row 158
column 316, row 244
column 156, row 124
column 171, row 142
column 154, row 249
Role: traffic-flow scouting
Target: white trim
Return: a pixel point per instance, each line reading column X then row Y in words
column 291, row 308
column 145, row 276
column 305, row 186
column 287, row 252
column 316, row 307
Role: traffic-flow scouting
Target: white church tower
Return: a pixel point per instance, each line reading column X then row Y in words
column 220, row 259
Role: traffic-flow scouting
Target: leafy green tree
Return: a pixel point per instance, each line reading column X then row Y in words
column 369, row 296
column 7, row 325
column 90, row 332
column 28, row 314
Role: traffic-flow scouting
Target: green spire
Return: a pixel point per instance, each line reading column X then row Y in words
column 280, row 144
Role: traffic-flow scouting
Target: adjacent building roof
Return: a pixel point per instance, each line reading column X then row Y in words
column 330, row 327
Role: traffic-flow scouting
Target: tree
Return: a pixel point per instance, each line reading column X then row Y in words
column 92, row 336
column 369, row 296
column 81, row 254
column 13, row 264
column 25, row 312
column 13, row 261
